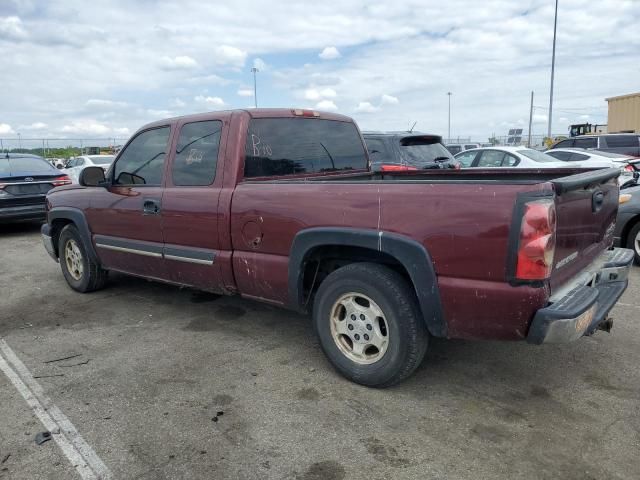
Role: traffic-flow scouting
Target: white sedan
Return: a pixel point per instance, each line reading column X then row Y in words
column 577, row 157
column 505, row 157
column 77, row 164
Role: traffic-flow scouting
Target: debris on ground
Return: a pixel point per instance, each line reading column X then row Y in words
column 75, row 364
column 43, row 437
column 5, row 458
column 63, row 358
column 49, row 376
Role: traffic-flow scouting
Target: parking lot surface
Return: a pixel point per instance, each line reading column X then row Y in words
column 164, row 383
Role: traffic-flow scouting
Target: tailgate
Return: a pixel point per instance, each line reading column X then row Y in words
column 586, row 208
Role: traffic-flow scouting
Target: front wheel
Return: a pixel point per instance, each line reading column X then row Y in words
column 81, row 273
column 368, row 322
column 633, row 241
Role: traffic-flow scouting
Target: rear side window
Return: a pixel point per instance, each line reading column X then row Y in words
column 142, row 161
column 586, row 142
column 287, row 146
column 197, row 153
column 614, row 141
column 377, row 150
column 578, row 157
column 564, row 156
column 491, row 158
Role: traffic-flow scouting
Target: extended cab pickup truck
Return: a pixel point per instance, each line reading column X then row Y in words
column 280, row 206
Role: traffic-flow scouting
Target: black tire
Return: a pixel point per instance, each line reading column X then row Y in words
column 631, row 241
column 93, row 276
column 407, row 333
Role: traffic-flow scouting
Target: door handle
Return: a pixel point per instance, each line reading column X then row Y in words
column 150, row 207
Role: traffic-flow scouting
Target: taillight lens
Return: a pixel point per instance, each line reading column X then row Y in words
column 397, row 168
column 537, row 242
column 61, row 180
column 629, row 168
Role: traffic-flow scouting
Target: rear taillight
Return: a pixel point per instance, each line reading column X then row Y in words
column 537, row 241
column 397, row 168
column 61, row 180
column 298, row 112
column 629, row 168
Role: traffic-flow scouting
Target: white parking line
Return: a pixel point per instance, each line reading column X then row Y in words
column 79, row 453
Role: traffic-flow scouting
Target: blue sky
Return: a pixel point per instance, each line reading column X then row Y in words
column 94, row 69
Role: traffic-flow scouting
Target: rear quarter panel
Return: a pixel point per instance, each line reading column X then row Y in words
column 464, row 227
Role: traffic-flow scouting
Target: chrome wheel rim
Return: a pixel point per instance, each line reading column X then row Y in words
column 636, row 244
column 359, row 328
column 73, row 259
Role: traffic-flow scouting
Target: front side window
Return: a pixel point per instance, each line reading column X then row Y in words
column 197, row 153
column 491, row 158
column 466, row 158
column 142, row 161
column 287, row 146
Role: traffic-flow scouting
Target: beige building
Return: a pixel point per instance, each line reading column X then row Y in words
column 624, row 113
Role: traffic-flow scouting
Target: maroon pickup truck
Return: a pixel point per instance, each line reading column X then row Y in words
column 280, row 206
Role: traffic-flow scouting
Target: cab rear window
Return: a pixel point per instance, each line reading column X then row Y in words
column 289, row 146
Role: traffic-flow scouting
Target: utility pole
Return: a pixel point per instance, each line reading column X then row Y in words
column 449, row 128
column 255, row 86
column 530, row 120
column 553, row 66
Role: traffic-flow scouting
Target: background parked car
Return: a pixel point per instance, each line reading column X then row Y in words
column 624, row 143
column 390, row 151
column 576, row 157
column 455, row 148
column 503, row 157
column 627, row 233
column 24, row 182
column 75, row 165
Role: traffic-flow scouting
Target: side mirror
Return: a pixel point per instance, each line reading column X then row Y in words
column 92, row 177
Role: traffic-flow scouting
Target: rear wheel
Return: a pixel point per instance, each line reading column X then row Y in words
column 633, row 241
column 367, row 319
column 80, row 272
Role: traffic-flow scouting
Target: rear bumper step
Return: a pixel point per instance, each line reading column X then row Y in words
column 584, row 309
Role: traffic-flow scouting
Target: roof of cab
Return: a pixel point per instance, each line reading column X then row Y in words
column 253, row 113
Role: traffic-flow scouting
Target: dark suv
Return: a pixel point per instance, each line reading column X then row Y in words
column 407, row 151
column 624, row 143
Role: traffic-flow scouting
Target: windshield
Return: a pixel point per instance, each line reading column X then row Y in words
column 536, row 156
column 102, row 159
column 419, row 155
column 23, row 165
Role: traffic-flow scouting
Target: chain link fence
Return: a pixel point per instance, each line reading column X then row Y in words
column 62, row 147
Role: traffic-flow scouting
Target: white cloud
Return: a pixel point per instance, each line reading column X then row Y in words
column 327, row 105
column 182, row 62
column 259, row 64
column 329, row 53
column 159, row 113
column 11, row 28
column 99, row 104
column 540, row 118
column 389, row 100
column 227, row 55
column 366, row 107
column 584, row 117
column 177, row 103
column 5, row 129
column 245, row 92
column 88, row 127
column 121, row 131
column 210, row 101
column 328, row 93
column 34, row 126
column 311, row 94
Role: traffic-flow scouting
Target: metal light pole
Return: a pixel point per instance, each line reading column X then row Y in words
column 449, row 127
column 553, row 66
column 530, row 120
column 19, row 141
column 255, row 86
